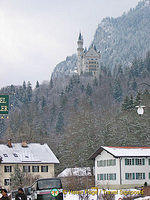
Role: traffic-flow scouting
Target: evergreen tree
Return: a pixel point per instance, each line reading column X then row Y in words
column 125, row 103
column 134, row 85
column 43, row 103
column 29, row 91
column 60, row 123
column 138, row 99
column 95, row 82
column 82, row 88
column 76, row 102
column 88, row 90
column 51, row 83
column 131, row 102
column 63, row 99
column 12, row 89
column 24, row 85
column 117, row 90
column 37, row 85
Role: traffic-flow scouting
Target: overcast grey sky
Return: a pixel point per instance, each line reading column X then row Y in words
column 35, row 35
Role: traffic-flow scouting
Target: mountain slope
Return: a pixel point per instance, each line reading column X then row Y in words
column 122, row 39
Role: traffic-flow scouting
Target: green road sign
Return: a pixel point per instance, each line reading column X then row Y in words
column 4, row 104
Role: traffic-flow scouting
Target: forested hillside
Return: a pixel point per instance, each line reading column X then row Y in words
column 76, row 114
column 120, row 40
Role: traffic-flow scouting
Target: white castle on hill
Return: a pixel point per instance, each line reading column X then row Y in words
column 88, row 60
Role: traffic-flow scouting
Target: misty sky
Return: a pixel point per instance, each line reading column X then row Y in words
column 35, row 35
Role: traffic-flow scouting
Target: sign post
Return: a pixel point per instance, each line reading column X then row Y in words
column 4, row 104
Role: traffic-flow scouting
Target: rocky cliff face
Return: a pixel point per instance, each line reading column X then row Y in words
column 66, row 67
column 120, row 40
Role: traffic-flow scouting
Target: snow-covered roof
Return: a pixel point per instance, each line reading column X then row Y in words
column 84, row 171
column 124, row 151
column 33, row 153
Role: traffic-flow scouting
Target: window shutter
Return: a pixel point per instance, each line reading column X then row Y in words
column 136, row 161
column 143, row 161
column 126, row 176
column 132, row 161
column 101, row 176
column 137, row 176
column 143, row 175
column 98, row 177
column 126, row 162
column 149, row 175
column 133, row 175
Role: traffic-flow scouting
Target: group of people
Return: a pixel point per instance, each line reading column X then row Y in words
column 19, row 196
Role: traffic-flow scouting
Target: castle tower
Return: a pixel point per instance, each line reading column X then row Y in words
column 80, row 51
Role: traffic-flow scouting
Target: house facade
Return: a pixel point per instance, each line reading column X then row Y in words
column 34, row 159
column 119, row 167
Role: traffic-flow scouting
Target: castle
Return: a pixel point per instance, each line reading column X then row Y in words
column 88, row 60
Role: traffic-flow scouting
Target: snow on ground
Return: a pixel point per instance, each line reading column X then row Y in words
column 144, row 198
column 119, row 194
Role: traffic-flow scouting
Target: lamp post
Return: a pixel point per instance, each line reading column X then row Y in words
column 140, row 109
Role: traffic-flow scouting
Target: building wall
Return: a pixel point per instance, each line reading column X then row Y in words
column 136, row 169
column 6, row 175
column 91, row 62
column 107, row 170
column 131, row 169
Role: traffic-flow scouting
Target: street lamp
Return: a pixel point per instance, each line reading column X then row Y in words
column 140, row 109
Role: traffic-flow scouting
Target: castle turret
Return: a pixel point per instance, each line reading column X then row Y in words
column 80, row 51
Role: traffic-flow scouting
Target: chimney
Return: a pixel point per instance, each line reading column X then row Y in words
column 24, row 144
column 9, row 144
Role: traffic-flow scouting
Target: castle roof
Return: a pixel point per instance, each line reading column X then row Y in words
column 80, row 36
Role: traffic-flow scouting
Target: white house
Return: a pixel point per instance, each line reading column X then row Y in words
column 34, row 158
column 119, row 167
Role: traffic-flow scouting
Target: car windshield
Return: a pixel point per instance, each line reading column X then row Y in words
column 49, row 183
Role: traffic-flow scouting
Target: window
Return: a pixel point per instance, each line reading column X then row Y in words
column 137, row 161
column 35, row 168
column 129, row 176
column 128, row 161
column 44, row 168
column 26, row 168
column 140, row 161
column 7, row 182
column 106, row 176
column 5, row 155
column 7, row 168
column 103, row 163
column 26, row 156
column 140, row 176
